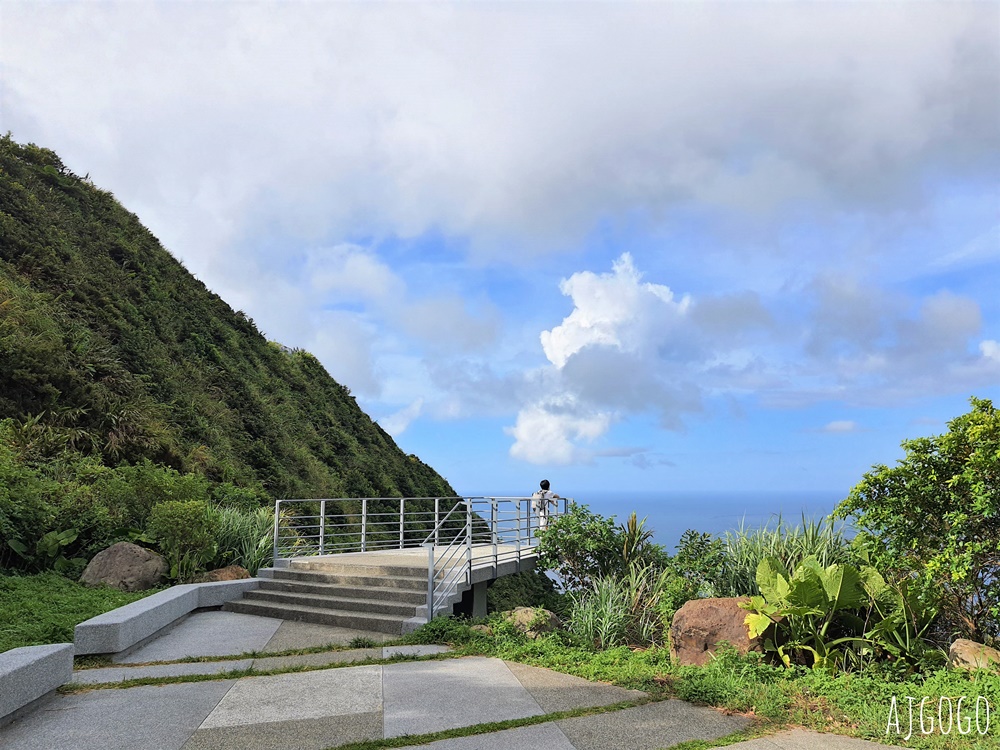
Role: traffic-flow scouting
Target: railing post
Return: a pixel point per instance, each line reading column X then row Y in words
column 437, row 514
column 527, row 520
column 401, row 503
column 277, row 516
column 364, row 523
column 322, row 527
column 493, row 527
column 430, row 581
column 468, row 539
column 517, row 534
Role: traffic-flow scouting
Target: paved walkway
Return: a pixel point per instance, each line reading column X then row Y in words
column 326, row 708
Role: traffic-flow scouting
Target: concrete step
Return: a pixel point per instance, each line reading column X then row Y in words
column 292, row 586
column 411, row 583
column 376, row 606
column 335, row 568
column 337, row 618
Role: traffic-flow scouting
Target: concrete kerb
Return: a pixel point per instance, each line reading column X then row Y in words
column 30, row 673
column 126, row 626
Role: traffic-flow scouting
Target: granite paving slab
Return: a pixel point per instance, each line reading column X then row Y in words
column 317, row 660
column 538, row 737
column 303, row 734
column 555, row 691
column 212, row 633
column 430, row 696
column 119, row 674
column 157, row 716
column 292, row 635
column 804, row 739
column 649, row 727
column 299, row 695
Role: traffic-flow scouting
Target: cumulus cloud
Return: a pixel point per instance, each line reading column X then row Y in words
column 278, row 149
column 631, row 347
column 547, row 433
column 614, row 310
column 614, row 353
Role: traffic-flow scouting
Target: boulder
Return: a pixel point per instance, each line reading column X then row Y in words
column 533, row 622
column 125, row 566
column 702, row 624
column 969, row 655
column 229, row 573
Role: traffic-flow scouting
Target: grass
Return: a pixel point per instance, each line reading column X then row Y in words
column 40, row 609
column 856, row 704
column 746, row 546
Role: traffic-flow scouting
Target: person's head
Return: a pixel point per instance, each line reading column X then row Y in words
column 544, row 484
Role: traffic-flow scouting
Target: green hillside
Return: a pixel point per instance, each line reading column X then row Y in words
column 111, row 353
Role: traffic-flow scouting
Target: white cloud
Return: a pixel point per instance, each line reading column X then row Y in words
column 343, row 343
column 548, row 434
column 351, row 272
column 990, row 349
column 841, row 426
column 396, row 424
column 631, row 347
column 613, row 309
column 515, row 126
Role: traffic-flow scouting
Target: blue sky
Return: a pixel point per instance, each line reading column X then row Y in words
column 654, row 246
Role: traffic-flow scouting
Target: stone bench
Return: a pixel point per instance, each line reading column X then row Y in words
column 126, row 626
column 30, row 673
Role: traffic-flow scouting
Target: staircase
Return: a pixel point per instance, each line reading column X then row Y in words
column 381, row 598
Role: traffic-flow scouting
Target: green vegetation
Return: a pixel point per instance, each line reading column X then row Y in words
column 185, row 533
column 124, row 383
column 40, row 609
column 936, row 516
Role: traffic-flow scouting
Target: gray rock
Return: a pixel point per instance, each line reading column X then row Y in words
column 125, row 566
column 969, row 655
column 702, row 624
column 533, row 622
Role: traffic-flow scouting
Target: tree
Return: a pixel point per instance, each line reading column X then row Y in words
column 936, row 517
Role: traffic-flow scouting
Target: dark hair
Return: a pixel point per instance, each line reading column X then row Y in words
column 544, row 484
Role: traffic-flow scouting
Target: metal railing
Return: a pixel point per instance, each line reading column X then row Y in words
column 459, row 533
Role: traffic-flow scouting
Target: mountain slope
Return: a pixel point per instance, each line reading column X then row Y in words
column 110, row 348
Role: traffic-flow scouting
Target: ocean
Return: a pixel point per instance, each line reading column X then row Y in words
column 670, row 514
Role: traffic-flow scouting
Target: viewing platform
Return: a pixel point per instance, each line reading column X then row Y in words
column 392, row 564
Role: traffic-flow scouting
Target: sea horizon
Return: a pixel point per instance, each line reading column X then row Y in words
column 670, row 513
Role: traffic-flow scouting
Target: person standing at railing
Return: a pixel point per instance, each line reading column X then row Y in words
column 542, row 500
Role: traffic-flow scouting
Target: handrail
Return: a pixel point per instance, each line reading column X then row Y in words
column 503, row 525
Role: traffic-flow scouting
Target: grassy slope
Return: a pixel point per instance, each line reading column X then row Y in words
column 44, row 608
column 108, row 341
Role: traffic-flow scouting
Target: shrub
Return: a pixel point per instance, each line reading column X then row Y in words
column 244, row 538
column 579, row 546
column 936, row 516
column 184, row 531
column 742, row 551
column 529, row 589
column 628, row 610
